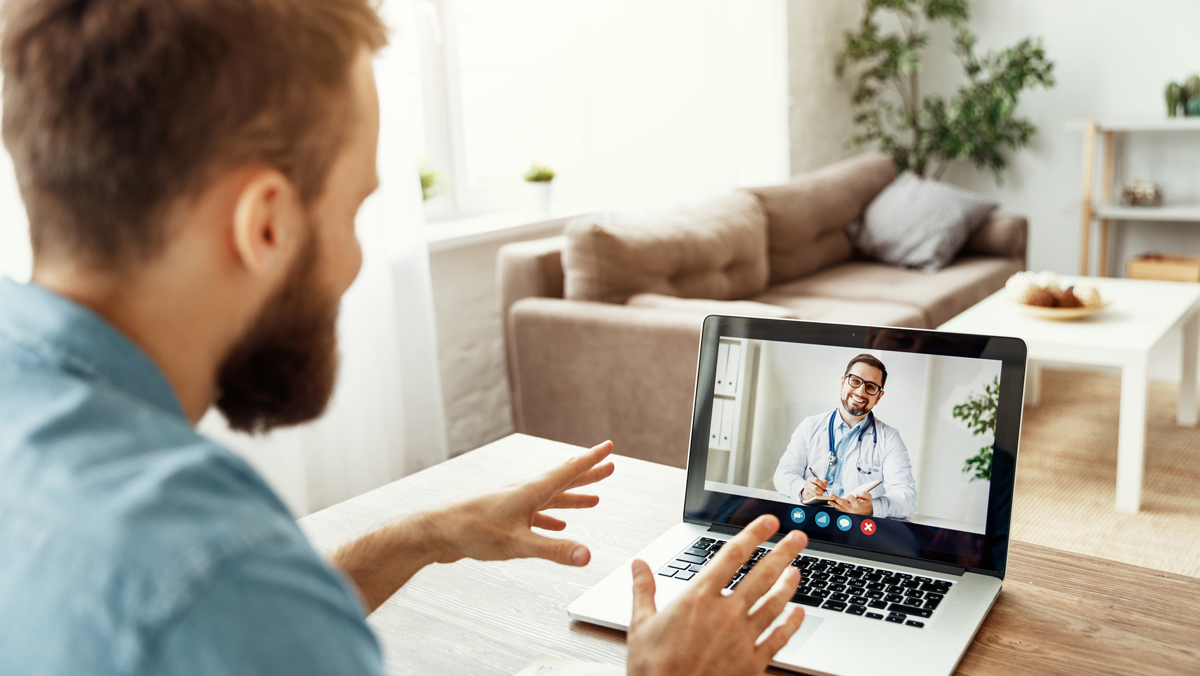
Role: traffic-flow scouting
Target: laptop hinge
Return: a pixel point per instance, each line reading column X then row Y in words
column 723, row 529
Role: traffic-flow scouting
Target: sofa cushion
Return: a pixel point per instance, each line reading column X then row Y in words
column 937, row 296
column 920, row 223
column 705, row 306
column 717, row 250
column 807, row 217
column 843, row 311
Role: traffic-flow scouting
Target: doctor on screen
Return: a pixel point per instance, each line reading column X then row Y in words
column 835, row 453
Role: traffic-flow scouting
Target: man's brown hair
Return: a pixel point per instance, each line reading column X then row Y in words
column 115, row 108
column 869, row 361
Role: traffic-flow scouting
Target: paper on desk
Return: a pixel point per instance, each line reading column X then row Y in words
column 546, row 665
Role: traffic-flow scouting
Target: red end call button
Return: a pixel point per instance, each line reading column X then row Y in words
column 867, row 526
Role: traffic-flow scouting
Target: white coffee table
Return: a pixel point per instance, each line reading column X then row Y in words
column 1124, row 334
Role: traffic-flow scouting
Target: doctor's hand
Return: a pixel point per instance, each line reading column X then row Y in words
column 498, row 526
column 707, row 633
column 813, row 488
column 854, row 504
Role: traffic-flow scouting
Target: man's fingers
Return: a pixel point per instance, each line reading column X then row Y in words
column 572, row 501
column 735, row 553
column 547, row 522
column 766, row 572
column 775, row 601
column 593, row 475
column 643, row 593
column 556, row 480
column 780, row 635
column 566, row 552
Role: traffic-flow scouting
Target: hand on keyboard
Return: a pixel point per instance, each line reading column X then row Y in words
column 708, row 632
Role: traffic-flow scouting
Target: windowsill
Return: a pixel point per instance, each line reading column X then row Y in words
column 461, row 232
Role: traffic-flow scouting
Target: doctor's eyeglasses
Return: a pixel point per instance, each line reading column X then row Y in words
column 868, row 386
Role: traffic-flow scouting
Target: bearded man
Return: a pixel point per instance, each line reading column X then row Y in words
column 191, row 170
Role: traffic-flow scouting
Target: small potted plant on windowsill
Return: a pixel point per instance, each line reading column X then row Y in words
column 538, row 178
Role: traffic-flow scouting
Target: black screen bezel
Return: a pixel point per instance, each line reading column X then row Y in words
column 711, row 508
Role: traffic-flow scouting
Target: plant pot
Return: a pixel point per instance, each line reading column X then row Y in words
column 539, row 196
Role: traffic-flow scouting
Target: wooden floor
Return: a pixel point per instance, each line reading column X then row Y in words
column 1067, row 469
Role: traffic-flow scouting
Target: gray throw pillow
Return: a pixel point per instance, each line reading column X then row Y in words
column 919, row 223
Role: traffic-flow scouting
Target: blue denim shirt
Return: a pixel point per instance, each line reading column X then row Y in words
column 130, row 544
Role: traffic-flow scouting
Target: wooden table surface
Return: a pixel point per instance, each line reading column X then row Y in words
column 1058, row 612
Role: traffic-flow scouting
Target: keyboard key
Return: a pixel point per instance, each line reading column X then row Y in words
column 822, row 593
column 910, row 610
column 821, row 576
column 873, row 577
column 898, row 619
column 840, row 597
column 856, row 609
column 922, row 579
column 836, row 587
column 914, row 623
column 905, row 576
column 874, row 594
column 913, row 593
column 933, row 597
column 667, row 572
column 679, row 564
column 910, row 584
column 839, row 579
column 878, row 605
column 877, row 586
column 809, row 559
column 860, row 600
column 931, row 604
column 894, row 598
column 806, row 600
column 697, row 552
column 834, row 605
column 874, row 616
column 818, row 584
column 858, row 583
column 687, row 558
column 696, row 567
column 895, row 589
column 684, row 575
column 934, row 587
column 854, row 574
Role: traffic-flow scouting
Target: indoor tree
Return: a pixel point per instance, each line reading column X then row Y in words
column 924, row 134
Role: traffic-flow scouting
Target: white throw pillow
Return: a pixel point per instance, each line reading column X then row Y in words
column 920, row 223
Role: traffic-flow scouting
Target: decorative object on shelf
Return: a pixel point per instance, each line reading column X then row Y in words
column 1139, row 193
column 432, row 181
column 1041, row 295
column 539, row 177
column 1174, row 96
column 1164, row 267
column 926, row 134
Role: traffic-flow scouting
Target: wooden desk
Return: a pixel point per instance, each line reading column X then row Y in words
column 1058, row 612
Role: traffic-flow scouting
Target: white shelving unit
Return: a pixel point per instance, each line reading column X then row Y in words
column 1106, row 212
column 733, row 399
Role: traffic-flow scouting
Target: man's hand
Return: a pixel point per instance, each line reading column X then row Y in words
column 814, row 488
column 490, row 527
column 705, row 632
column 854, row 504
column 497, row 526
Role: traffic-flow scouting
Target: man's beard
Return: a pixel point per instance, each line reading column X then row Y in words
column 282, row 371
column 855, row 410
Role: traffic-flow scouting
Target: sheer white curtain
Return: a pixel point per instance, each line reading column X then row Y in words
column 386, row 419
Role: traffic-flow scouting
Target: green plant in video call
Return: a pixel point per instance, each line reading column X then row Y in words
column 539, row 173
column 432, row 181
column 926, row 134
column 979, row 412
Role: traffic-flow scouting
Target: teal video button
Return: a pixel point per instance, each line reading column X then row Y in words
column 798, row 515
column 822, row 519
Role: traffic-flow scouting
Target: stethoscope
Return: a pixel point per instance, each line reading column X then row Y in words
column 833, row 459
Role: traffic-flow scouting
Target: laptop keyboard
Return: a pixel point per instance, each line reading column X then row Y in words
column 839, row 586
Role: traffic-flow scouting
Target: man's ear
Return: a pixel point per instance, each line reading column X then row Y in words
column 267, row 222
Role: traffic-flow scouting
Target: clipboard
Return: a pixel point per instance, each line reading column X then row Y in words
column 826, row 499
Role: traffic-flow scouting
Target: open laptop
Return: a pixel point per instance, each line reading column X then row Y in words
column 901, row 591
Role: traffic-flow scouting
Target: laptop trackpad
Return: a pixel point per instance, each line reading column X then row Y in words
column 806, row 630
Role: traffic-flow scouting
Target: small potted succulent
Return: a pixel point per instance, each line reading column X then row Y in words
column 538, row 178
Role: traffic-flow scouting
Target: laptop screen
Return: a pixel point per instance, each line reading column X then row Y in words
column 879, row 439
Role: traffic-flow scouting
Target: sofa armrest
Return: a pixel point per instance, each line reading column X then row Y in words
column 583, row 372
column 1002, row 235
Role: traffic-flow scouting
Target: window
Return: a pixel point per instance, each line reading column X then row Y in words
column 645, row 102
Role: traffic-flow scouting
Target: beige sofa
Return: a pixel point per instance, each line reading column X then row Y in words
column 602, row 324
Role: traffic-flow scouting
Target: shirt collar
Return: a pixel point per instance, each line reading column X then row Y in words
column 76, row 340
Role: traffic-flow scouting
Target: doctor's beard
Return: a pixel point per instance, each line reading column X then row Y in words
column 849, row 407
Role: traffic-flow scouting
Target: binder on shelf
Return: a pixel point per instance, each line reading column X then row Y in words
column 728, row 419
column 722, row 359
column 714, row 436
column 733, row 368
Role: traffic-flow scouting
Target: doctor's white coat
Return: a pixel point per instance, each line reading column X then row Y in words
column 862, row 464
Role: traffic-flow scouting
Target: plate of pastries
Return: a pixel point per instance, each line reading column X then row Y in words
column 1043, row 295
